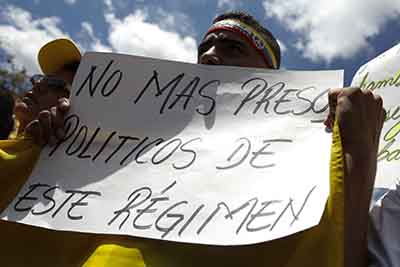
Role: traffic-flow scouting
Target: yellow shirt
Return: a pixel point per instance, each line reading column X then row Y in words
column 23, row 245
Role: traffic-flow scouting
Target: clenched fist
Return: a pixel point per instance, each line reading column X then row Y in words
column 360, row 116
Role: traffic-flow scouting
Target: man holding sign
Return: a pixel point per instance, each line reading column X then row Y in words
column 382, row 76
column 237, row 39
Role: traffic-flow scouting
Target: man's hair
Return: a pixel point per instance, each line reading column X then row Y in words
column 251, row 21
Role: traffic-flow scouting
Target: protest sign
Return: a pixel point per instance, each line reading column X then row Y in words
column 382, row 76
column 184, row 152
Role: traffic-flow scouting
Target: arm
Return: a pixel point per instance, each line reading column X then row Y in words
column 360, row 118
column 39, row 118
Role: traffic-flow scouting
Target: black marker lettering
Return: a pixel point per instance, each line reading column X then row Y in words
column 155, row 142
column 193, row 152
column 212, row 215
column 179, row 218
column 210, row 98
column 104, row 145
column 126, row 210
column 283, row 99
column 147, row 209
column 103, row 90
column 26, row 197
column 63, row 204
column 261, row 213
column 83, row 130
column 248, row 143
column 156, row 162
column 262, row 152
column 89, row 79
column 68, row 132
column 253, row 93
column 121, row 144
column 79, row 202
column 192, row 84
column 46, row 196
column 190, row 219
column 81, row 154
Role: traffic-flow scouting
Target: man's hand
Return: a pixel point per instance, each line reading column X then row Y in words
column 360, row 116
column 49, row 124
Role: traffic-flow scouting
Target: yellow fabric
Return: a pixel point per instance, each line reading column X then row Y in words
column 17, row 158
column 4, row 155
column 335, row 205
column 116, row 256
column 14, row 133
column 29, row 246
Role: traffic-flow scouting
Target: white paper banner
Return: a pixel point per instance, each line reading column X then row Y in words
column 185, row 152
column 382, row 75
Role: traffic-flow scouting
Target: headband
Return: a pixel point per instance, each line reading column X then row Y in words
column 255, row 39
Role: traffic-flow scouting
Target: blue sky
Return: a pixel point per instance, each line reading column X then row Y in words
column 325, row 34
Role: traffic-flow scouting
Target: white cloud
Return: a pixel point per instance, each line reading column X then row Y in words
column 166, row 36
column 173, row 22
column 70, row 2
column 229, row 4
column 134, row 34
column 22, row 36
column 333, row 29
column 109, row 5
column 89, row 41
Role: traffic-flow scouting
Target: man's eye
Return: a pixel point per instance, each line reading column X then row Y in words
column 202, row 49
column 236, row 47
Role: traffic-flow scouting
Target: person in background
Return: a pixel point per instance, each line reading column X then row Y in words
column 225, row 44
column 39, row 114
column 237, row 39
column 384, row 230
column 6, row 114
column 42, row 109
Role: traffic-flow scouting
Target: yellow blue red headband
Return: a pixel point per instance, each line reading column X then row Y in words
column 251, row 35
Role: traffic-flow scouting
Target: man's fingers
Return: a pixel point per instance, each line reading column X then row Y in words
column 57, row 118
column 332, row 99
column 33, row 130
column 384, row 114
column 58, row 115
column 338, row 96
column 378, row 101
column 379, row 113
column 332, row 103
column 63, row 105
column 39, row 88
column 351, row 91
column 382, row 119
column 46, row 126
column 383, row 111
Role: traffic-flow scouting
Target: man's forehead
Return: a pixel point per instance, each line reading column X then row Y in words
column 238, row 30
column 224, row 33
